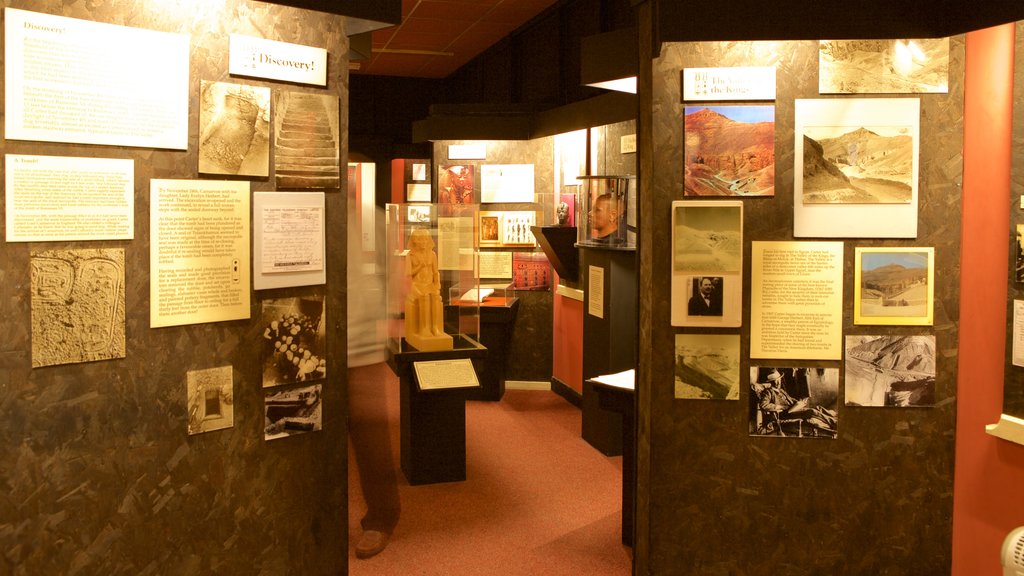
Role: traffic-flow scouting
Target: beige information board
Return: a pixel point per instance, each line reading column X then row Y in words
column 796, row 300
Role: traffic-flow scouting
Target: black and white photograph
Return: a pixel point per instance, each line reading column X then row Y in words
column 234, row 129
column 890, row 370
column 707, row 366
column 417, row 213
column 706, row 296
column 210, row 399
column 294, row 340
column 1019, row 251
column 707, row 238
column 306, row 141
column 293, row 411
column 903, row 66
column 794, row 402
column 77, row 306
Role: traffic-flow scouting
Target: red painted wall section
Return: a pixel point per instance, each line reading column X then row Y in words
column 989, row 473
column 567, row 352
column 398, row 181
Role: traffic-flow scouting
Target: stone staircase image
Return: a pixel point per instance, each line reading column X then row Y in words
column 305, row 152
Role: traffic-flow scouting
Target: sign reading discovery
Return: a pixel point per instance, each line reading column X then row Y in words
column 261, row 58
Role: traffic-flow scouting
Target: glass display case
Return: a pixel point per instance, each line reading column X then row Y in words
column 604, row 216
column 432, row 264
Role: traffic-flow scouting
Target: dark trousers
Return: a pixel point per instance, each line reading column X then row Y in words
column 371, row 443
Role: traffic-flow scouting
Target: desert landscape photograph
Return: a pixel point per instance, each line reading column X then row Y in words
column 906, row 66
column 894, row 284
column 858, row 164
column 707, row 238
column 729, row 151
column 890, row 370
column 707, row 366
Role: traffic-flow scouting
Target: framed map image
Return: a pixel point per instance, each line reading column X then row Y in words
column 729, row 151
column 894, row 286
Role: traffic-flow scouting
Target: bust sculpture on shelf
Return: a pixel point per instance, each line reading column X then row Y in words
column 424, row 313
column 562, row 212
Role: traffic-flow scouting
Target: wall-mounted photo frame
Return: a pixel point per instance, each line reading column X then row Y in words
column 707, row 263
column 507, row 228
column 894, row 286
column 455, row 184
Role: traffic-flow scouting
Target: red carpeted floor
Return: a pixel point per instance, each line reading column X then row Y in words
column 537, row 500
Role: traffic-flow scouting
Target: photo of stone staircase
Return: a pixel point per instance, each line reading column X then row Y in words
column 306, row 141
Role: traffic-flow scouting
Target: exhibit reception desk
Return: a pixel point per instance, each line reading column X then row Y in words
column 434, row 387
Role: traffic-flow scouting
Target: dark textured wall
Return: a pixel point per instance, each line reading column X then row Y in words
column 97, row 472
column 876, row 500
column 1013, row 390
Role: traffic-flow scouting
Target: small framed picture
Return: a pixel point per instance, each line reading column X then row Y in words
column 894, row 286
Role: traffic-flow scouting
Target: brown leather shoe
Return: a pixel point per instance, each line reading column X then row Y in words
column 370, row 544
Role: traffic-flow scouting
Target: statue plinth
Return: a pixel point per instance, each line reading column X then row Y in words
column 430, row 343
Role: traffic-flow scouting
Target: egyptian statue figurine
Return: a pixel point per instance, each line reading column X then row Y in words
column 424, row 313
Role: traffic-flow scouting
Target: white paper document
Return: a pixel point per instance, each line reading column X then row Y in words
column 71, row 80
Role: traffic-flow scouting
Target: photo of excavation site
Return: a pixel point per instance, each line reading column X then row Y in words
column 234, row 129
column 890, row 370
column 306, row 141
column 893, row 286
column 858, row 164
column 903, row 66
column 291, row 412
column 730, row 151
column 707, row 366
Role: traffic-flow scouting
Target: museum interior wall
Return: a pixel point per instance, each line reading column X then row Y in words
column 720, row 500
column 100, row 472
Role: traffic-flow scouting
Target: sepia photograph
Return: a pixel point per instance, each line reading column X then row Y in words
column 894, row 286
column 210, row 399
column 1019, row 251
column 706, row 296
column 729, row 151
column 858, row 164
column 904, row 66
column 707, row 238
column 890, row 370
column 234, row 129
column 294, row 340
column 417, row 213
column 290, row 412
column 794, row 402
column 306, row 141
column 707, row 366
column 455, row 184
column 78, row 310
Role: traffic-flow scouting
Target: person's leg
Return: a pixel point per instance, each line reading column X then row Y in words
column 371, row 443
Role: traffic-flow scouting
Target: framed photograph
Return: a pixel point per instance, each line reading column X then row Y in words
column 903, row 66
column 234, row 129
column 729, row 151
column 707, row 366
column 1019, row 251
column 455, row 184
column 856, row 168
column 894, row 286
column 707, row 263
column 290, row 412
column 890, row 370
column 794, row 402
column 507, row 228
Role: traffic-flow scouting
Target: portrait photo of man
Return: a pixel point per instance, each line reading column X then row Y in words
column 707, row 296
